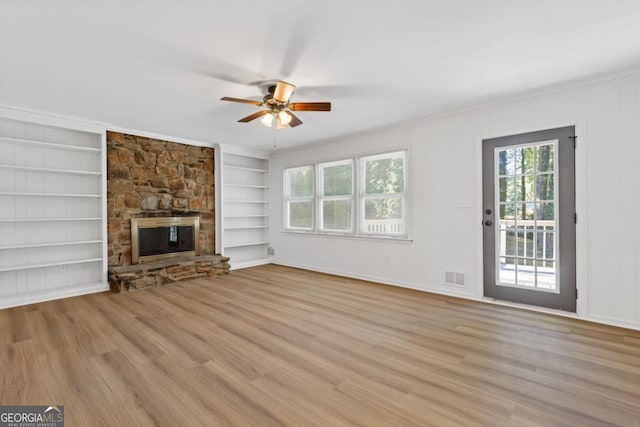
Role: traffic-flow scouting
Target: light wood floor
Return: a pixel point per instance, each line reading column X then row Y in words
column 278, row 346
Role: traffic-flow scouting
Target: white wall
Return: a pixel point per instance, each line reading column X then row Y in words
column 445, row 170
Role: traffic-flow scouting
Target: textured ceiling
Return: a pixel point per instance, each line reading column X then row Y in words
column 162, row 66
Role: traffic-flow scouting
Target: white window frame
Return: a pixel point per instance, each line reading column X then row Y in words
column 288, row 198
column 358, row 198
column 363, row 196
column 322, row 197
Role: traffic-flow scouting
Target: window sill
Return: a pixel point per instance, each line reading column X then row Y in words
column 350, row 236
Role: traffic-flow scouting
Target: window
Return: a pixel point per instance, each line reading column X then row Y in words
column 383, row 194
column 336, row 196
column 299, row 197
column 373, row 205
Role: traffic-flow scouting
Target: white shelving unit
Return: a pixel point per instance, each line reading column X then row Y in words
column 243, row 220
column 52, row 207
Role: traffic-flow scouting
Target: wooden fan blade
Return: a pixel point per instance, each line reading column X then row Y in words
column 253, row 116
column 244, row 101
column 310, row 106
column 295, row 121
column 283, row 91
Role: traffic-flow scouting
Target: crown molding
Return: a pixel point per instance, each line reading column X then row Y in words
column 51, row 119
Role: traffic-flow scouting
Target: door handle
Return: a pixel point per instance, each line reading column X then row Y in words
column 488, row 223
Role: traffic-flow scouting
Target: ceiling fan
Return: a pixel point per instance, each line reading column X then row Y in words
column 278, row 108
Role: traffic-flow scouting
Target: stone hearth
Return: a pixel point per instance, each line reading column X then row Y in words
column 137, row 276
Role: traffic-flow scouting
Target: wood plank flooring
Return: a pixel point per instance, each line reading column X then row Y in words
column 272, row 345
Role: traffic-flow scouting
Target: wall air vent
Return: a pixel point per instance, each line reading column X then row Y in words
column 454, row 278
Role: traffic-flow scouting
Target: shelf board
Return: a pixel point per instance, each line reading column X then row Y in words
column 49, row 264
column 247, row 169
column 49, row 219
column 244, row 201
column 49, row 145
column 48, row 245
column 246, row 216
column 48, row 194
column 239, row 245
column 50, row 170
column 249, row 227
column 262, row 187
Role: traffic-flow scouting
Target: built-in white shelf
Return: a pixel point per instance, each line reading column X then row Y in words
column 52, row 145
column 244, row 216
column 49, row 194
column 246, row 186
column 246, row 169
column 240, row 245
column 47, row 245
column 49, row 264
column 50, row 170
column 49, row 219
column 52, row 207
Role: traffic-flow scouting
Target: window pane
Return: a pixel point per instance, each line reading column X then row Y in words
column 524, row 160
column 338, row 180
column 545, row 246
column 545, row 212
column 544, row 187
column 544, row 158
column 525, row 212
column 525, row 243
column 507, row 211
column 383, row 216
column 388, row 208
column 507, row 189
column 547, row 275
column 506, row 162
column 508, row 243
column 384, row 175
column 525, row 188
column 300, row 181
column 507, row 271
column 526, row 273
column 336, row 215
column 300, row 214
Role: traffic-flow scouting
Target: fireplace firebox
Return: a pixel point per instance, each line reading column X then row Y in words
column 154, row 239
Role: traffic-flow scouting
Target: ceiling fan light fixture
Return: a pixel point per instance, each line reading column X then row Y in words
column 267, row 119
column 279, row 124
column 284, row 118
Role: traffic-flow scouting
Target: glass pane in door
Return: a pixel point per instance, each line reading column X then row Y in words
column 525, row 197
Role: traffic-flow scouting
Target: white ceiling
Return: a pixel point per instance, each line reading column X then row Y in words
column 161, row 66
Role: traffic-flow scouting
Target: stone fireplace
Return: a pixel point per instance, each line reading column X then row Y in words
column 150, row 179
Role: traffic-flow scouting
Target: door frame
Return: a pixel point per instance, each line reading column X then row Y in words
column 582, row 251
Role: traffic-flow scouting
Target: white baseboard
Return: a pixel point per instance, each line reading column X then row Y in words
column 466, row 294
column 8, row 301
column 455, row 292
column 613, row 321
column 247, row 264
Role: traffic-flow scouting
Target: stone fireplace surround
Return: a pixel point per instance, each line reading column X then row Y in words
column 153, row 178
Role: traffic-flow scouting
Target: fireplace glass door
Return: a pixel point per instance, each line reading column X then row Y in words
column 154, row 239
